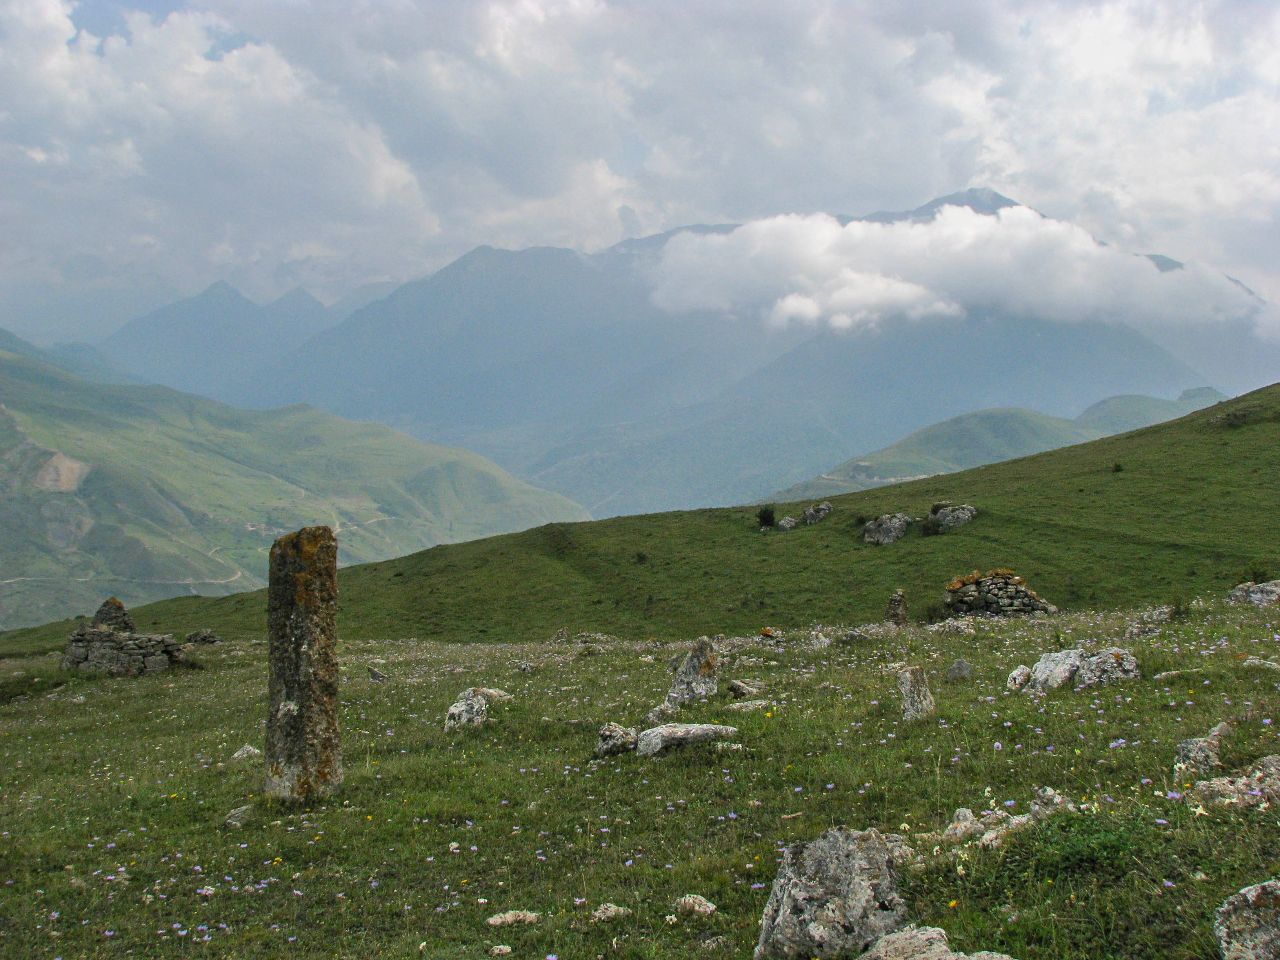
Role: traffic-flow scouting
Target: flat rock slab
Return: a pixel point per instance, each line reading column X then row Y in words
column 656, row 740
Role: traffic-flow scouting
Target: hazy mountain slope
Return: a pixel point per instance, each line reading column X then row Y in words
column 989, row 436
column 146, row 492
column 204, row 342
column 1189, row 514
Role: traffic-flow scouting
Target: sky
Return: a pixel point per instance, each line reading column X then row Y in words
column 150, row 149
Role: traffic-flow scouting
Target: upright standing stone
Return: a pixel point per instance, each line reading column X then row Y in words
column 896, row 612
column 917, row 701
column 304, row 757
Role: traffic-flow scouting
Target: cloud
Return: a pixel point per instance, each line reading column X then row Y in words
column 813, row 270
column 330, row 142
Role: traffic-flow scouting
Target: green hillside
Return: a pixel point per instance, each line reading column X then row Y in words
column 989, row 436
column 145, row 492
column 1169, row 511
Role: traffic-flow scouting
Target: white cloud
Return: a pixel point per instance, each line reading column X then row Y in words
column 811, row 269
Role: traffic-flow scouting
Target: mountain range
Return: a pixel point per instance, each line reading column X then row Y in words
column 560, row 367
column 146, row 492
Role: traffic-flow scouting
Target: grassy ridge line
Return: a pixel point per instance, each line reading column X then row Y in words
column 1191, row 511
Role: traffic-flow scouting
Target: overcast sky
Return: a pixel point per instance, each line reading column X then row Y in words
column 148, row 149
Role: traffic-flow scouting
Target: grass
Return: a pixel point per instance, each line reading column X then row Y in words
column 115, row 792
column 1191, row 512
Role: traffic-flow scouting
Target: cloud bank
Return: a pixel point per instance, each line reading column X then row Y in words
column 331, row 142
column 813, row 270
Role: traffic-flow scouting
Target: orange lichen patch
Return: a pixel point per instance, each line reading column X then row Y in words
column 974, row 576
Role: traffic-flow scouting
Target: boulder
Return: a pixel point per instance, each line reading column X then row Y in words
column 469, row 710
column 885, row 529
column 788, row 523
column 1055, row 670
column 1260, row 784
column 922, row 943
column 615, row 739
column 834, row 896
column 656, row 740
column 945, row 516
column 917, row 701
column 744, row 689
column 695, row 677
column 1247, row 924
column 1112, row 665
column 816, row 513
column 1200, row 755
column 1259, row 594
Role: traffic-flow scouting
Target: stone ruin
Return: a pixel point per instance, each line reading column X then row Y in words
column 999, row 593
column 111, row 645
column 896, row 611
column 303, row 754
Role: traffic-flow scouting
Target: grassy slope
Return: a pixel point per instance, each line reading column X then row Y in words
column 1191, row 510
column 114, row 794
column 176, row 480
column 990, row 436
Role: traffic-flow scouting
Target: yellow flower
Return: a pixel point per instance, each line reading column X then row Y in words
column 953, row 904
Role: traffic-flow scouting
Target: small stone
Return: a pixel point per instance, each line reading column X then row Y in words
column 469, row 710
column 960, row 670
column 202, row 637
column 693, row 905
column 500, row 950
column 922, row 943
column 510, row 918
column 1200, row 755
column 743, row 689
column 238, row 817
column 660, row 714
column 1259, row 594
column 1260, row 784
column 1108, row 666
column 377, row 676
column 1261, row 664
column 1019, row 678
column 743, row 706
column 817, row 513
column 247, row 752
column 615, row 739
column 609, row 912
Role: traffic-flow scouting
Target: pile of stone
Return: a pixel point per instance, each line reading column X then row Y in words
column 111, row 645
column 999, row 593
column 1259, row 594
column 814, row 513
column 1075, row 668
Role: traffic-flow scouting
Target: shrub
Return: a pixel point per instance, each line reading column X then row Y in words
column 931, row 526
column 1117, row 467
column 766, row 516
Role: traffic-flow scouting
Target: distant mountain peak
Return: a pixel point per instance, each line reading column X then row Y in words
column 298, row 296
column 981, row 200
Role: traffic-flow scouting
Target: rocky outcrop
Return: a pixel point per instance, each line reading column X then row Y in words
column 1258, row 785
column 1075, row 668
column 1247, row 925
column 615, row 739
column 1200, row 756
column 1259, row 594
column 917, row 701
column 944, row 517
column 922, row 943
column 657, row 740
column 834, row 896
column 816, row 513
column 885, row 529
column 998, row 593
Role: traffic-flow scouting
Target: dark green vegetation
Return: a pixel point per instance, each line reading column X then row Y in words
column 114, row 794
column 145, row 492
column 989, row 436
column 1192, row 511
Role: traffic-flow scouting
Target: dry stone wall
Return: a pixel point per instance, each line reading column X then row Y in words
column 110, row 645
column 998, row 593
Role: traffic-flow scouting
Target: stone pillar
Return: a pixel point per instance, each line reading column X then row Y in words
column 304, row 756
column 917, row 701
column 896, row 612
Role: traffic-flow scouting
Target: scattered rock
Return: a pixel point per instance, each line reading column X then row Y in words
column 996, row 593
column 510, row 918
column 608, row 912
column 247, row 752
column 202, row 637
column 944, row 516
column 743, row 689
column 896, row 612
column 1019, row 678
column 964, row 826
column 492, row 694
column 1112, row 665
column 999, row 825
column 469, row 710
column 960, row 670
column 1258, row 785
column 692, row 905
column 834, row 896
column 1259, row 662
column 917, row 701
column 377, row 676
column 497, row 950
column 615, row 739
column 1200, row 755
column 787, row 523
column 1247, row 924
column 1076, row 668
column 1148, row 623
column 669, row 735
column 238, row 817
column 695, row 678
column 922, row 943
column 662, row 713
column 112, row 615
column 816, row 513
column 1259, row 594
column 743, row 706
column 885, row 529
